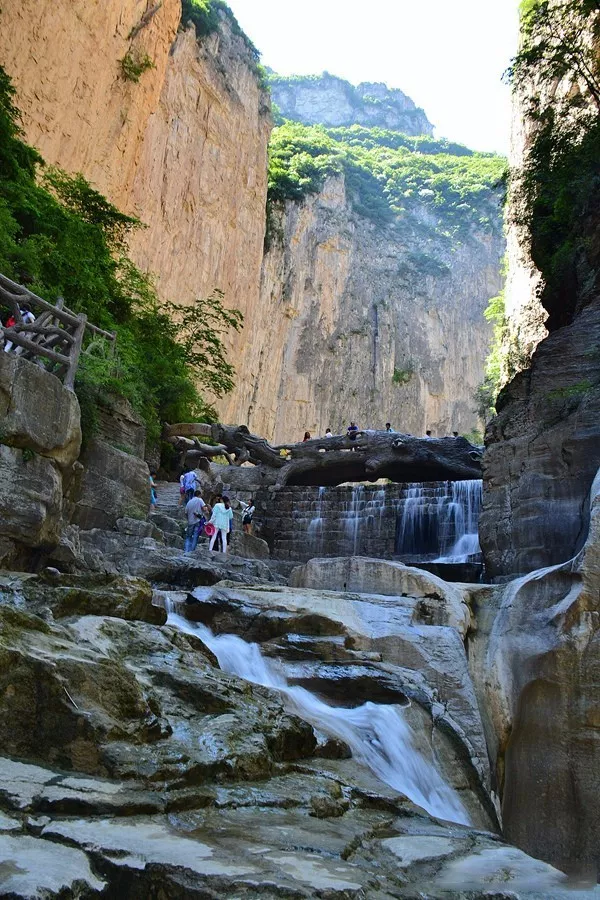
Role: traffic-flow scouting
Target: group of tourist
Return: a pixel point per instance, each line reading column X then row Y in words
column 28, row 318
column 214, row 520
column 353, row 429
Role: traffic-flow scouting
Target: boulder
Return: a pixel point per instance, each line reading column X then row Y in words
column 90, row 594
column 114, row 485
column 441, row 602
column 30, row 499
column 248, row 545
column 37, row 412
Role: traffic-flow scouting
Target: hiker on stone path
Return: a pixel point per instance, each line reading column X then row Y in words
column 219, row 543
column 221, row 517
column 195, row 512
column 248, row 514
column 190, row 483
column 153, row 494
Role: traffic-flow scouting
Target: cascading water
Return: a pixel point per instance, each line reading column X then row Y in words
column 315, row 526
column 442, row 519
column 352, row 517
column 463, row 520
column 378, row 735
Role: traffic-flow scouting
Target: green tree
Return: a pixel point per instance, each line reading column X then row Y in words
column 62, row 237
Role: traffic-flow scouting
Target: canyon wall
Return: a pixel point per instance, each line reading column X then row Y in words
column 543, row 447
column 367, row 322
column 184, row 149
column 346, row 319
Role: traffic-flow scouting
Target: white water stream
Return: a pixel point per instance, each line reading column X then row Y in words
column 377, row 735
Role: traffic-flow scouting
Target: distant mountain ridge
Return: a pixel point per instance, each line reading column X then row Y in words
column 328, row 100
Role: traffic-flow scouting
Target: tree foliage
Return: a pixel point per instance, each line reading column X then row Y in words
column 389, row 176
column 63, row 238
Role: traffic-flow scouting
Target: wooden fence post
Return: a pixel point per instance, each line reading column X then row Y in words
column 75, row 352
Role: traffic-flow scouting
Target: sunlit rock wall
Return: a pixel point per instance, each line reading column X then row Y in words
column 185, row 148
column 367, row 323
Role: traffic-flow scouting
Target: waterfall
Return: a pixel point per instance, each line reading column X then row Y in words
column 463, row 520
column 442, row 519
column 378, row 735
column 315, row 526
column 352, row 517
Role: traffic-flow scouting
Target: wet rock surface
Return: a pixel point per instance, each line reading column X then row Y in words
column 535, row 660
column 136, row 768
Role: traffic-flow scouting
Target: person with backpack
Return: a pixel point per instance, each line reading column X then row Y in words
column 247, row 515
column 194, row 510
column 190, row 483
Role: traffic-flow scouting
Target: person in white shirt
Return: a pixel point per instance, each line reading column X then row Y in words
column 328, row 432
column 247, row 515
column 221, row 517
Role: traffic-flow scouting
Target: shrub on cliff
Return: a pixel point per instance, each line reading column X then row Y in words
column 59, row 236
column 389, row 176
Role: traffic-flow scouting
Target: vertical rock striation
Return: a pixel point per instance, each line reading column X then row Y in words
column 543, row 448
column 367, row 322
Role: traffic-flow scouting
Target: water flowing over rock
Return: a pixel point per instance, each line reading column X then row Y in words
column 138, row 767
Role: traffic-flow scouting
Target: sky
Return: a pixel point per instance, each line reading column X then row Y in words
column 447, row 55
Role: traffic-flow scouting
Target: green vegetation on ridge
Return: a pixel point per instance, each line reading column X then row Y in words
column 61, row 237
column 389, row 175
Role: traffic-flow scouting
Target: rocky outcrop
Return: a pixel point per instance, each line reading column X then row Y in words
column 135, row 766
column 543, row 448
column 366, row 323
column 543, row 451
column 114, row 480
column 328, row 100
column 535, row 658
column 40, row 439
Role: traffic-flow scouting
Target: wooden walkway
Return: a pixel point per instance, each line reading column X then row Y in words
column 54, row 340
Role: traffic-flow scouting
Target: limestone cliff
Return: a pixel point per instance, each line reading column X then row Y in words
column 184, row 148
column 348, row 318
column 362, row 321
column 543, row 448
column 328, row 100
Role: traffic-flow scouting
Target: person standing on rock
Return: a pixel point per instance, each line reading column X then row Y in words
column 194, row 510
column 248, row 515
column 221, row 517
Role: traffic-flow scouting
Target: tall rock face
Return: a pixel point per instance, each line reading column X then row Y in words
column 78, row 109
column 328, row 100
column 366, row 322
column 543, row 448
column 184, row 148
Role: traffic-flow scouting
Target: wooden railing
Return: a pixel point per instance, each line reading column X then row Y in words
column 54, row 340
